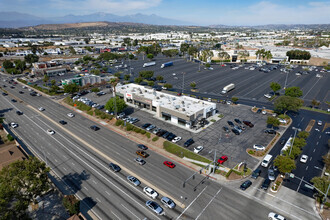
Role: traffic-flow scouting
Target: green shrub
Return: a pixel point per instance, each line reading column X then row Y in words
column 68, row 101
column 251, row 152
column 137, row 130
column 9, row 137
column 143, row 132
column 72, row 204
column 148, row 134
column 220, row 116
column 229, row 172
column 155, row 138
column 119, row 122
column 90, row 112
column 129, row 127
column 212, row 120
column 22, row 81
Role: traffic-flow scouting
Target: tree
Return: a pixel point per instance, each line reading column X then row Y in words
column 284, row 164
column 322, row 183
column 275, row 86
column 135, row 42
column 193, row 85
column 20, row 65
column 31, row 58
column 326, row 160
column 72, row 50
column 95, row 89
column 71, row 88
column 299, row 142
column 20, row 183
column 46, row 78
column 127, row 77
column 120, row 104
column 273, row 121
column 184, row 48
column 192, row 51
column 223, row 55
column 138, row 80
column 293, row 92
column 146, row 74
column 303, row 134
column 53, row 82
column 234, row 99
column 315, row 103
column 71, row 203
column 150, row 56
column 131, row 56
column 171, row 52
column 151, row 83
column 117, row 74
column 159, row 78
column 298, row 55
column 168, row 86
column 7, row 64
column 287, row 103
column 243, row 54
column 205, row 55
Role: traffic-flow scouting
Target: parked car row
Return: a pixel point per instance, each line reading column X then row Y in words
column 237, row 128
column 161, row 132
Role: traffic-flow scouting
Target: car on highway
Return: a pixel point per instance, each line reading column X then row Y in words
column 274, row 216
column 150, row 192
column 13, row 125
column 176, row 139
column 222, row 159
column 230, row 123
column 265, row 184
column 303, row 158
column 133, row 180
column 268, row 96
column 4, row 94
column 258, row 147
column 21, row 92
column 114, row 167
column 14, row 100
column 154, row 207
column 19, row 112
column 62, row 122
column 167, row 202
column 248, row 123
column 271, row 174
column 245, row 185
column 71, row 115
column 198, row 149
column 94, row 128
column 235, row 131
column 256, row 173
column 140, row 161
column 226, row 129
column 189, row 142
column 51, row 132
column 142, row 153
column 169, row 164
column 270, row 131
column 41, row 109
column 142, row 147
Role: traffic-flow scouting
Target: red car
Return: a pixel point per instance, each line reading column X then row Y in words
column 169, row 164
column 222, row 159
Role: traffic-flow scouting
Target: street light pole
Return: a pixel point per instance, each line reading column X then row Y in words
column 296, row 129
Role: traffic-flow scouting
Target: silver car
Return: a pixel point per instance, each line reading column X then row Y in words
column 271, row 174
column 154, row 207
column 133, row 180
column 168, row 202
column 150, row 127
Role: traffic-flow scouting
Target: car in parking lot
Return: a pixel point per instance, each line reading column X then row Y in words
column 303, row 158
column 146, row 125
column 265, row 184
column 248, row 123
column 154, row 207
column 245, row 185
column 133, row 180
column 71, row 115
column 268, row 96
column 189, row 142
column 176, row 139
column 235, row 131
column 222, row 159
column 274, row 216
column 259, row 111
column 150, row 127
column 237, row 121
column 230, row 123
column 258, row 147
column 13, row 125
column 170, row 137
column 319, row 122
column 62, row 122
column 140, row 161
column 114, row 167
column 238, row 129
column 270, row 131
column 198, row 149
column 161, row 132
column 226, row 129
column 142, row 153
column 168, row 202
column 150, row 192
column 142, row 147
column 94, row 128
column 256, row 173
column 156, row 130
column 169, row 164
column 271, row 174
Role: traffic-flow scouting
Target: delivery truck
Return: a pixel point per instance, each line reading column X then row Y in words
column 228, row 88
column 166, row 64
column 149, row 64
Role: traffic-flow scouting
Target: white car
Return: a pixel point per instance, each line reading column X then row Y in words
column 71, row 115
column 51, row 132
column 319, row 122
column 198, row 149
column 176, row 139
column 298, row 74
column 41, row 109
column 264, row 112
column 259, row 147
column 282, row 121
column 274, row 216
column 150, row 192
column 38, row 94
column 267, row 96
column 303, row 158
column 14, row 125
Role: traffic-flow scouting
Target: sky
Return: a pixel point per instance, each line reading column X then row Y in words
column 199, row 12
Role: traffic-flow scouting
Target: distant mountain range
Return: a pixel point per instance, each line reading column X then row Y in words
column 17, row 20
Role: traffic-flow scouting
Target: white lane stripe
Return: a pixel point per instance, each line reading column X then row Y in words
column 208, row 204
column 115, row 215
column 130, row 212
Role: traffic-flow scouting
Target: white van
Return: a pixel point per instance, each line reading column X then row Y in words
column 265, row 162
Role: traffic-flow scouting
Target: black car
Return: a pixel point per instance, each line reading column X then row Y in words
column 142, row 147
column 146, row 125
column 94, row 128
column 265, row 184
column 19, row 112
column 14, row 100
column 188, row 142
column 33, row 93
column 20, row 92
column 166, row 134
column 230, row 123
column 270, row 131
column 256, row 173
column 161, row 133
column 235, row 131
column 259, row 110
column 62, row 122
column 245, row 185
column 114, row 167
column 171, row 137
column 226, row 129
column 4, row 94
column 237, row 121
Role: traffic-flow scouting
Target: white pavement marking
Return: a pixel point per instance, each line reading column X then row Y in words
column 311, row 88
column 320, row 136
column 107, row 193
column 85, row 188
column 73, row 164
column 94, row 182
column 115, row 215
column 208, row 204
column 191, row 202
column 64, row 168
column 307, row 168
column 98, row 199
column 104, row 123
column 314, row 150
column 310, row 159
column 317, row 143
column 130, row 211
column 300, row 184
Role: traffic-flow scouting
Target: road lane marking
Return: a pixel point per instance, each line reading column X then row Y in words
column 310, row 159
column 317, row 143
column 320, row 136
column 85, row 188
column 314, row 150
column 98, row 199
column 94, row 182
column 130, row 211
column 72, row 163
column 311, row 88
column 208, row 204
column 115, row 215
column 107, row 193
column 300, row 184
column 191, row 203
column 64, row 168
column 307, row 168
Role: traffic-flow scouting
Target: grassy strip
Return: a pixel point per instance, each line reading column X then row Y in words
column 182, row 152
column 314, row 109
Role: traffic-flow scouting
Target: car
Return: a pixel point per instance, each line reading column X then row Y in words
column 189, row 142
column 238, row 129
column 62, row 122
column 264, row 112
column 245, row 185
column 114, row 167
column 133, row 120
column 267, row 131
column 161, row 132
column 12, row 87
column 230, row 123
column 274, row 216
column 170, row 137
column 198, row 149
column 156, row 130
column 256, row 173
column 168, row 202
column 259, row 111
column 271, row 174
column 41, row 109
column 166, row 134
column 146, row 125
column 283, row 121
column 282, row 141
column 133, row 180
column 71, row 115
column 21, row 92
column 19, row 112
column 222, row 159
column 94, row 128
column 142, row 147
column 169, row 164
column 121, row 115
column 150, row 192
column 248, row 123
column 226, row 129
column 4, row 94
column 303, row 158
column 237, row 121
column 14, row 100
column 235, row 131
column 319, row 122
column 258, row 147
column 142, row 153
column 38, row 94
column 176, row 139
column 265, row 184
column 13, row 125
column 140, row 161
column 154, row 207
column 51, row 132
column 267, row 96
